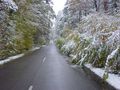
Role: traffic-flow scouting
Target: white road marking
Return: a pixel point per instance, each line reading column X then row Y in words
column 44, row 60
column 30, row 88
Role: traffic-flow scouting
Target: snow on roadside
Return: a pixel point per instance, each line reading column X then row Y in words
column 10, row 59
column 16, row 56
column 98, row 71
column 11, row 4
column 35, row 48
column 113, row 79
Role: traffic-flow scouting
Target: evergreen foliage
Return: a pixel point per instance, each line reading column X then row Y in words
column 26, row 27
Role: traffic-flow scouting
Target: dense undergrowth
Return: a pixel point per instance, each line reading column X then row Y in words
column 96, row 40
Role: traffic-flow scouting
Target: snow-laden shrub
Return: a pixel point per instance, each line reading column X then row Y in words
column 59, row 42
column 10, row 4
column 68, row 47
column 72, row 40
column 114, row 40
column 103, row 30
column 67, row 43
column 113, row 59
column 98, row 42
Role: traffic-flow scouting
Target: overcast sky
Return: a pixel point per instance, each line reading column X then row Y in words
column 58, row 5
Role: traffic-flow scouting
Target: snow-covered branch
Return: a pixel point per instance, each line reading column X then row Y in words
column 10, row 4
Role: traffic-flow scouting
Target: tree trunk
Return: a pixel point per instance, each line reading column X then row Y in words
column 114, row 3
column 95, row 3
column 105, row 5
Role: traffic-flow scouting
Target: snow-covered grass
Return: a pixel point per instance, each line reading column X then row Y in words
column 96, row 41
column 113, row 79
column 69, row 45
column 9, row 59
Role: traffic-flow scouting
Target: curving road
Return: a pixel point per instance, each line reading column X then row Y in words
column 44, row 69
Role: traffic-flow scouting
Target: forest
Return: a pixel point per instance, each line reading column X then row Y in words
column 24, row 24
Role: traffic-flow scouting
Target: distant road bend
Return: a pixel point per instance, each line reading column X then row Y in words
column 44, row 69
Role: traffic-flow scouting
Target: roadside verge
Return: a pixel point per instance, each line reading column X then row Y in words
column 9, row 59
column 112, row 83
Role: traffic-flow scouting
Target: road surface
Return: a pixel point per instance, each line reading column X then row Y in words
column 44, row 69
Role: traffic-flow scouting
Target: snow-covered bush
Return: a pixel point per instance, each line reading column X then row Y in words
column 104, row 32
column 98, row 42
column 10, row 4
column 113, row 59
column 60, row 43
column 68, row 47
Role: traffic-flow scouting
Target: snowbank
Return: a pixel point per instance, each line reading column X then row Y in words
column 11, row 59
column 34, row 49
column 113, row 79
column 16, row 57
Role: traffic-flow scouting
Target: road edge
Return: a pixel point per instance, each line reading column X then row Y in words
column 12, row 58
column 98, row 79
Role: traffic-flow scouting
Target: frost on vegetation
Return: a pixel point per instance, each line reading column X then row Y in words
column 17, row 33
column 111, row 58
column 114, row 39
column 68, row 46
column 112, row 54
column 11, row 4
column 98, row 42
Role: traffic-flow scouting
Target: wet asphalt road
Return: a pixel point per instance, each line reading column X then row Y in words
column 44, row 69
